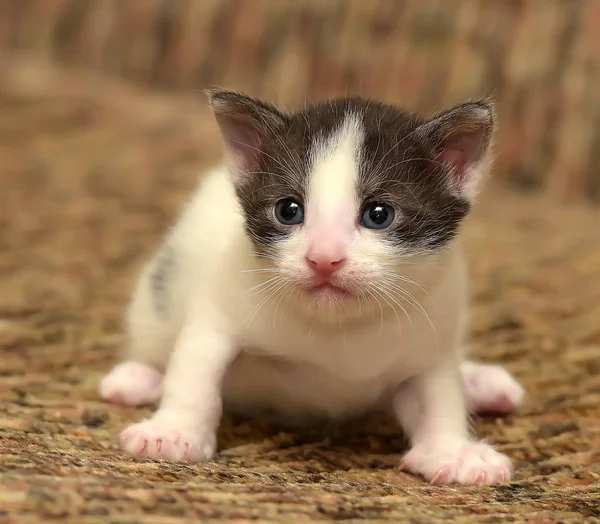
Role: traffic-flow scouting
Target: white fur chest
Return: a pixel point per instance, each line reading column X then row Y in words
column 382, row 346
column 289, row 367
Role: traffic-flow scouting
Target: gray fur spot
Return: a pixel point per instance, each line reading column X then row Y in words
column 161, row 277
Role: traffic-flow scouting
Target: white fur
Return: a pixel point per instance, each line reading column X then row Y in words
column 334, row 166
column 240, row 329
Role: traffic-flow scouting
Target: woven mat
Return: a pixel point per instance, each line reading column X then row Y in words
column 92, row 173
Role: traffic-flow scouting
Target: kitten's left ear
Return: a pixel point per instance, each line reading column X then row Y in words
column 461, row 138
column 246, row 124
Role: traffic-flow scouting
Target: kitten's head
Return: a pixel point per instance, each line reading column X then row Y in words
column 349, row 197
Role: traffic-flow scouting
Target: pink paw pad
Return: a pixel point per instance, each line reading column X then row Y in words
column 491, row 389
column 132, row 384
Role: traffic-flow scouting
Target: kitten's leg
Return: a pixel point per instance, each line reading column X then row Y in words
column 432, row 410
column 490, row 388
column 138, row 379
column 185, row 425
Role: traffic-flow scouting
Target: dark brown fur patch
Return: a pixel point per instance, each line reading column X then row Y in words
column 398, row 167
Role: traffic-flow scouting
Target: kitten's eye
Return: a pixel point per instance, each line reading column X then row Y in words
column 289, row 212
column 377, row 216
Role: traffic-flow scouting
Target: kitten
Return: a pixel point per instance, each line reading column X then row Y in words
column 319, row 274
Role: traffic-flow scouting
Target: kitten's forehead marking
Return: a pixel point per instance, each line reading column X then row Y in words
column 334, row 172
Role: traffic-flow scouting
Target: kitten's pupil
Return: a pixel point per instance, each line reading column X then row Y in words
column 289, row 212
column 378, row 214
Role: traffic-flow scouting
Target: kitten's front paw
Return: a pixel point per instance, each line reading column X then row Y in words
column 132, row 384
column 491, row 389
column 166, row 438
column 458, row 461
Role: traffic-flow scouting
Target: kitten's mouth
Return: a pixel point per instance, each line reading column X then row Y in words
column 327, row 289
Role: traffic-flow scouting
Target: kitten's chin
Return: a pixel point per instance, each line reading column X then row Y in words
column 329, row 304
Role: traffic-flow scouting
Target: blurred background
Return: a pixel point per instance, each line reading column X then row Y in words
column 539, row 58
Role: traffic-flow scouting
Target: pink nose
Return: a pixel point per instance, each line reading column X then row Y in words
column 325, row 265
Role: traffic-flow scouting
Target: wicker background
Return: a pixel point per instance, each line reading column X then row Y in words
column 539, row 58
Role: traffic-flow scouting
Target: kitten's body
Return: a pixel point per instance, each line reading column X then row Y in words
column 226, row 307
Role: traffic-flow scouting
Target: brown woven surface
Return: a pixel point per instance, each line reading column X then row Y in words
column 91, row 175
column 540, row 58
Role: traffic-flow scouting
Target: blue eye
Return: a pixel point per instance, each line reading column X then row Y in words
column 289, row 212
column 377, row 216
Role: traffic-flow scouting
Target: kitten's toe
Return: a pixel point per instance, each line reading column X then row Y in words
column 458, row 462
column 168, row 439
column 132, row 384
column 491, row 389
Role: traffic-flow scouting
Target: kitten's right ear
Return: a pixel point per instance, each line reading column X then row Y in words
column 246, row 124
column 461, row 139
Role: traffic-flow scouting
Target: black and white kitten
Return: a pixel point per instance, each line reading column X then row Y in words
column 319, row 273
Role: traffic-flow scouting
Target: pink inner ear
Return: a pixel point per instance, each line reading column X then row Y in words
column 460, row 152
column 242, row 144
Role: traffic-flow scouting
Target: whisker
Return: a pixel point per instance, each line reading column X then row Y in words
column 258, row 255
column 269, row 281
column 382, row 295
column 283, row 167
column 261, row 270
column 396, row 301
column 415, row 303
column 403, row 290
column 380, row 308
column 285, row 288
column 408, row 281
column 272, row 292
column 311, row 327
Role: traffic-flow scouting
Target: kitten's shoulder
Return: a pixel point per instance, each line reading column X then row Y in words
column 212, row 209
column 214, row 185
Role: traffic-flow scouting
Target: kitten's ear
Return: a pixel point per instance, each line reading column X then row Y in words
column 461, row 138
column 246, row 124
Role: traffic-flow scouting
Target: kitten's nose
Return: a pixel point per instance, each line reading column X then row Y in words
column 325, row 264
